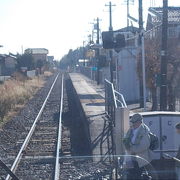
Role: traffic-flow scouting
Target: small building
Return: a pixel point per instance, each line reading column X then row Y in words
column 38, row 53
column 7, row 65
column 50, row 59
column 154, row 22
column 127, row 81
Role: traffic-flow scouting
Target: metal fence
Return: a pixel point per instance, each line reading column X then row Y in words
column 87, row 72
column 114, row 105
column 113, row 99
column 177, row 104
column 104, row 73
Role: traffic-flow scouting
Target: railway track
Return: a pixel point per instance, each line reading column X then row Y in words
column 46, row 151
column 75, row 162
column 38, row 157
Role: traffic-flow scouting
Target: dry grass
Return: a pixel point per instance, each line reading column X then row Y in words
column 15, row 93
column 47, row 73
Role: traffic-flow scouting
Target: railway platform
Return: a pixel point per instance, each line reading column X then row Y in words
column 92, row 100
column 93, row 106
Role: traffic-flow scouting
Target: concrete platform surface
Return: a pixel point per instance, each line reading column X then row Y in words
column 93, row 105
column 133, row 107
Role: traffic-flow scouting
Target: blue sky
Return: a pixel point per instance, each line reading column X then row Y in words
column 58, row 25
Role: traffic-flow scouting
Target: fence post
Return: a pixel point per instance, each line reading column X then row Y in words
column 121, row 127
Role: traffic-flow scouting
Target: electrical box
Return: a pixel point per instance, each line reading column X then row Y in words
column 153, row 123
column 163, row 125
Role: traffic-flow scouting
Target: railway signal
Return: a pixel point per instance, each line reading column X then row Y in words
column 113, row 40
column 107, row 38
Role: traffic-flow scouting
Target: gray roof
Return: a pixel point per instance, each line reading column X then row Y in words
column 128, row 29
column 173, row 14
column 37, row 51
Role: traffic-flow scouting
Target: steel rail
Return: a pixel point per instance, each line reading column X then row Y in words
column 28, row 137
column 57, row 165
column 3, row 165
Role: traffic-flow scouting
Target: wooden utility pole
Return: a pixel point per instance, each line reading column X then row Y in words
column 110, row 51
column 140, row 10
column 127, row 13
column 163, row 88
column 142, row 55
column 140, row 15
column 97, row 55
column 84, row 55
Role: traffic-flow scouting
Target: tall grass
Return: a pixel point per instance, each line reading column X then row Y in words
column 15, row 92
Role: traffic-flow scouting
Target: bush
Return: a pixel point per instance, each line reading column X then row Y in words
column 14, row 92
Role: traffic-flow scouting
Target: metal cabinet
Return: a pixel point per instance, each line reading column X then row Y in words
column 153, row 123
column 163, row 125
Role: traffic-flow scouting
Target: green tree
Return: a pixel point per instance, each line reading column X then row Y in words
column 153, row 59
column 25, row 60
column 173, row 76
column 72, row 58
column 39, row 64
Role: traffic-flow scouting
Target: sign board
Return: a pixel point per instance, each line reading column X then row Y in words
column 31, row 74
column 158, row 80
column 24, row 69
column 103, row 52
column 94, row 68
column 83, row 60
column 90, row 53
column 96, row 46
column 119, row 68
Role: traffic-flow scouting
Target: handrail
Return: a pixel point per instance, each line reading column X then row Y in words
column 122, row 105
column 171, row 157
column 168, row 150
column 113, row 94
column 122, row 98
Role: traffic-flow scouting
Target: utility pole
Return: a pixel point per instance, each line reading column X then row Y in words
column 163, row 88
column 127, row 13
column 128, row 3
column 140, row 47
column 140, row 15
column 110, row 51
column 84, row 62
column 142, row 52
column 98, row 53
column 22, row 49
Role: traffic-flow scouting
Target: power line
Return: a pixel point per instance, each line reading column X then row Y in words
column 145, row 33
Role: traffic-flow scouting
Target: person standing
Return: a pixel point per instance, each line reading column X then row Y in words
column 137, row 143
